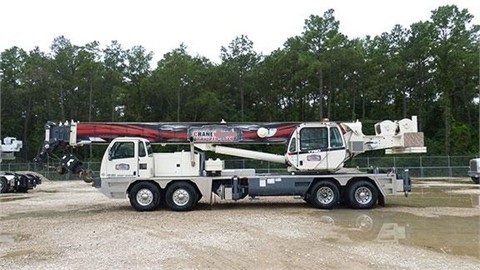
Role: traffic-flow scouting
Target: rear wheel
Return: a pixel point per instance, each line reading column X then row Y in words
column 144, row 196
column 181, row 196
column 476, row 180
column 362, row 195
column 3, row 185
column 324, row 195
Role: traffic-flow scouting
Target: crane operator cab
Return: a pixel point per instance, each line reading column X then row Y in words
column 316, row 147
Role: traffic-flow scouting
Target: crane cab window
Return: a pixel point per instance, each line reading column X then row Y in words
column 336, row 138
column 122, row 150
column 293, row 145
column 313, row 138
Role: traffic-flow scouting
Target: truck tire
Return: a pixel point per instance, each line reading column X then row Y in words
column 476, row 180
column 181, row 196
column 144, row 196
column 3, row 185
column 324, row 195
column 362, row 195
column 22, row 184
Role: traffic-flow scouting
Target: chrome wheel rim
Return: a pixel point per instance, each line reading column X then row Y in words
column 363, row 195
column 144, row 197
column 180, row 197
column 325, row 195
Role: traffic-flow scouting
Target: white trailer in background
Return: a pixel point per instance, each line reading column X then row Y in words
column 474, row 171
column 13, row 181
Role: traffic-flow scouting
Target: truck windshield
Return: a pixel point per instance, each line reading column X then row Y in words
column 313, row 138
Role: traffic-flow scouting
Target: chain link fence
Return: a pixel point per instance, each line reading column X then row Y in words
column 429, row 166
column 45, row 171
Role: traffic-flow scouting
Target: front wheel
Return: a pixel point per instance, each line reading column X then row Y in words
column 362, row 195
column 476, row 180
column 181, row 196
column 324, row 195
column 144, row 196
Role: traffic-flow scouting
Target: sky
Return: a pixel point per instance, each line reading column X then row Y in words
column 204, row 26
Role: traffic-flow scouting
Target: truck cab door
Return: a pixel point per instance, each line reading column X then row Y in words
column 122, row 159
column 131, row 158
column 145, row 159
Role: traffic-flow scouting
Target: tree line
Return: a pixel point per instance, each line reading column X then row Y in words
column 430, row 69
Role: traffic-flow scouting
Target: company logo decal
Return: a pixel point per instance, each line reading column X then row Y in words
column 122, row 167
column 214, row 134
column 314, row 158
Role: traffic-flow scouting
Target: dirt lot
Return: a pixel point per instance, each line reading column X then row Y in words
column 70, row 225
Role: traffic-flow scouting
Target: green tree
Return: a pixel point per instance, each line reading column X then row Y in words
column 294, row 74
column 182, row 88
column 13, row 86
column 454, row 52
column 90, row 78
column 420, row 70
column 138, row 69
column 113, row 94
column 238, row 61
column 323, row 38
column 36, row 97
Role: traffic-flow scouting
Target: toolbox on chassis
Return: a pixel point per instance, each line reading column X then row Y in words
column 315, row 154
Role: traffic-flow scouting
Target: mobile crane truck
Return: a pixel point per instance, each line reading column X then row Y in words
column 315, row 153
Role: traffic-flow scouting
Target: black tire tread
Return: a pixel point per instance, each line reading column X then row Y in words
column 181, row 185
column 4, row 185
column 145, row 185
column 476, row 180
column 313, row 198
column 351, row 194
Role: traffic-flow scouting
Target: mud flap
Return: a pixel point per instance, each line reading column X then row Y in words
column 97, row 183
column 381, row 200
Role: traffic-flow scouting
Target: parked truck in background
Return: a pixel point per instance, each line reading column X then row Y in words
column 314, row 156
column 14, row 181
column 474, row 171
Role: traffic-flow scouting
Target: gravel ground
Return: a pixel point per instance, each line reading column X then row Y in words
column 70, row 225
